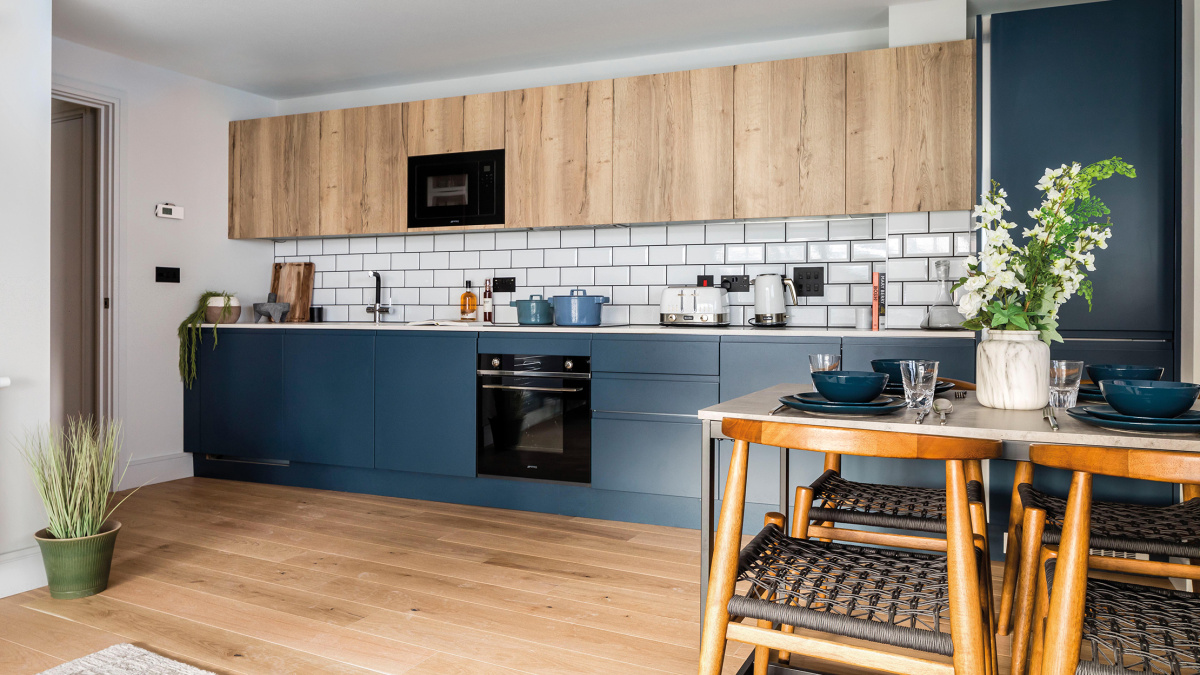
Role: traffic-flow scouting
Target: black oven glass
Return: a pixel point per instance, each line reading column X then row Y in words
column 461, row 188
column 535, row 417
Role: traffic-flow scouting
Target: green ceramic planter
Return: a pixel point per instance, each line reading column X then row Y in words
column 77, row 568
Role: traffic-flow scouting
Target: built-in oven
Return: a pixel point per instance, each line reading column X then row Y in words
column 458, row 188
column 535, row 417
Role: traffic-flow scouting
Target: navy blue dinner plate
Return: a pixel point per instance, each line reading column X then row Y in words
column 1106, row 412
column 818, row 399
column 1090, row 396
column 1125, row 425
column 840, row 409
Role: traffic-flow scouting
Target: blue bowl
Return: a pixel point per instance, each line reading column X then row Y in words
column 1149, row 398
column 1108, row 371
column 889, row 366
column 849, row 386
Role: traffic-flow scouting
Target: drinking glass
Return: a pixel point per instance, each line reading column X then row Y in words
column 920, row 381
column 822, row 362
column 1064, row 383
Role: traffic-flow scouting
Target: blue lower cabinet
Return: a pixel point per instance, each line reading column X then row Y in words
column 654, row 394
column 646, row 454
column 955, row 356
column 241, row 394
column 425, row 402
column 681, row 354
column 328, row 392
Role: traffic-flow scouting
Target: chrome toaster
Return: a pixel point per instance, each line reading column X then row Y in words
column 694, row 306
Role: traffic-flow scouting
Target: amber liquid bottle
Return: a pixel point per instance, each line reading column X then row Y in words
column 468, row 305
column 488, row 317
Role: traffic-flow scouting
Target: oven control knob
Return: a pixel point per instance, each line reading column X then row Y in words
column 704, row 318
column 495, row 363
column 670, row 317
column 568, row 364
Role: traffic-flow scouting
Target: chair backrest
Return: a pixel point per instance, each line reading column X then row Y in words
column 862, row 442
column 1167, row 466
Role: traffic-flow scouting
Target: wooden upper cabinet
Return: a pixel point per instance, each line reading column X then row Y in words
column 789, row 144
column 910, row 128
column 274, row 184
column 558, row 155
column 364, row 170
column 673, row 146
column 455, row 124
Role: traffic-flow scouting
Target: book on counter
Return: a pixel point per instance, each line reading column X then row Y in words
column 878, row 300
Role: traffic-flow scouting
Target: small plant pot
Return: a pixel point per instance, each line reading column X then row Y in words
column 212, row 312
column 79, row 567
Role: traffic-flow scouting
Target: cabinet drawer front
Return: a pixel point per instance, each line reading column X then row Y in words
column 537, row 343
column 661, row 355
column 663, row 395
column 649, row 456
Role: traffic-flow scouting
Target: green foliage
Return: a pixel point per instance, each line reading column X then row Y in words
column 74, row 470
column 189, row 335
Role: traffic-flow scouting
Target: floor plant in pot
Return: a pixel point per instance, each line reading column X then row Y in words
column 1013, row 293
column 74, row 469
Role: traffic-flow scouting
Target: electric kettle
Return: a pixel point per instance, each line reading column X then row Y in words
column 769, row 301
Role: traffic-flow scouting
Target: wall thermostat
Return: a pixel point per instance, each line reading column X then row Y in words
column 169, row 211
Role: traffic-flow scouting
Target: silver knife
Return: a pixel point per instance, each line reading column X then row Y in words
column 1048, row 415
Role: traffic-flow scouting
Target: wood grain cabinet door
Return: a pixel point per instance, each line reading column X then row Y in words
column 910, row 128
column 274, row 181
column 673, row 146
column 558, row 155
column 455, row 124
column 363, row 170
column 789, row 144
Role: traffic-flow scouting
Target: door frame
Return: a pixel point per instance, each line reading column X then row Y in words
column 108, row 108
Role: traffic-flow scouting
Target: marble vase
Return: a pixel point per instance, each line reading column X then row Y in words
column 1012, row 370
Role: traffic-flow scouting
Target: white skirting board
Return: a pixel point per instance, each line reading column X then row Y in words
column 22, row 570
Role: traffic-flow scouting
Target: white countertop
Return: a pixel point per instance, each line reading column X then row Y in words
column 968, row 420
column 623, row 329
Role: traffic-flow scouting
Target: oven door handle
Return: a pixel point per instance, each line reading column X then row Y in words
column 509, row 387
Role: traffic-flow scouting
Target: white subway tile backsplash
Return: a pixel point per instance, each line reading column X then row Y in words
column 862, row 294
column 447, row 312
column 630, row 295
column 532, row 257
column 376, row 261
column 544, row 239
column 612, row 236
column 724, row 233
column 613, row 276
column 448, row 242
column 561, row 257
column 905, row 317
column 718, row 270
column 516, row 273
column 868, row 250
column 285, row 248
column 349, row 262
column 684, row 275
column 324, row 263
column 419, row 278
column 362, row 245
column 418, row 313
column 577, row 238
column 927, row 244
column 479, row 241
column 510, row 240
column 835, row 294
column 895, row 246
column 337, row 313
column 843, row 316
column 907, row 223
column 833, row 251
column 920, row 292
column 596, row 257
column 643, row 314
column 448, row 278
column 808, row 230
column 435, row 296
column 406, row 261
column 335, row 246
column 950, row 221
column 849, row 273
column 464, row 260
column 494, row 259
column 964, row 243
column 879, row 228
column 806, row 316
column 910, row 269
column 755, row 270
column 765, row 232
column 648, row 276
column 856, row 228
column 744, row 253
column 390, row 244
column 705, row 254
column 405, row 296
column 577, row 276
column 324, row 296
column 335, row 279
column 685, row 234
column 420, row 243
column 614, row 314
column 648, row 235
column 349, row 296
column 787, row 252
column 632, row 255
column 541, row 276
column 435, row 261
column 309, row 247
column 668, row 255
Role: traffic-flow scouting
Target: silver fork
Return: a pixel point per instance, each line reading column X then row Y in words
column 1048, row 415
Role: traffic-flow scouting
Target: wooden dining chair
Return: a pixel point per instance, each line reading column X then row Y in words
column 927, row 600
column 1121, row 627
column 1036, row 520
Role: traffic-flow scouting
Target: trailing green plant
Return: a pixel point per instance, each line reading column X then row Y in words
column 74, row 470
column 190, row 335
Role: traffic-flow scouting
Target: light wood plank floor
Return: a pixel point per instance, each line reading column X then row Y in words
column 248, row 578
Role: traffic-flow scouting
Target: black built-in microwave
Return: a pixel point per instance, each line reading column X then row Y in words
column 458, row 188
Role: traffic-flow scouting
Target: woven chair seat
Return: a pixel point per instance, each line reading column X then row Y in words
column 894, row 506
column 1130, row 628
column 888, row 596
column 1172, row 530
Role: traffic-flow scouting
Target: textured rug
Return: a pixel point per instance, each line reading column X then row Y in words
column 125, row 660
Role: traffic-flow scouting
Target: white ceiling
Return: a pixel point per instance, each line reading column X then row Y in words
column 291, row 48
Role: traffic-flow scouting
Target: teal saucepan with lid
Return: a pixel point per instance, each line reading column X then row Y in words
column 536, row 311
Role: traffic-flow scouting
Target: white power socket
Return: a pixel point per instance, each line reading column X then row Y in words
column 168, row 211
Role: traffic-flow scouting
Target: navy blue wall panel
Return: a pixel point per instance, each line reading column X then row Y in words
column 329, row 396
column 1137, row 352
column 241, row 395
column 1087, row 82
column 425, row 402
column 955, row 356
column 552, row 344
column 663, row 354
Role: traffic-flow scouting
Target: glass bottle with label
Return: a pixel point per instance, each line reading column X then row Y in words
column 487, row 301
column 468, row 305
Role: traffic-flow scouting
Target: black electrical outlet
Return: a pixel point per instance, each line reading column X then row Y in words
column 166, row 275
column 736, row 283
column 810, row 281
column 504, row 284
column 704, row 280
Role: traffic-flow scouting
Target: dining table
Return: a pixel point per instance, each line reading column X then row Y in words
column 1015, row 429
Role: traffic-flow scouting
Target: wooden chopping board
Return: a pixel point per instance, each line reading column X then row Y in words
column 293, row 283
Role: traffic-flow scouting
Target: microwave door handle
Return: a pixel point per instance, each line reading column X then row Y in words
column 509, row 387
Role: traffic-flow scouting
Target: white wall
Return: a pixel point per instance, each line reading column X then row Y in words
column 174, row 148
column 919, row 23
column 833, row 43
column 24, row 276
